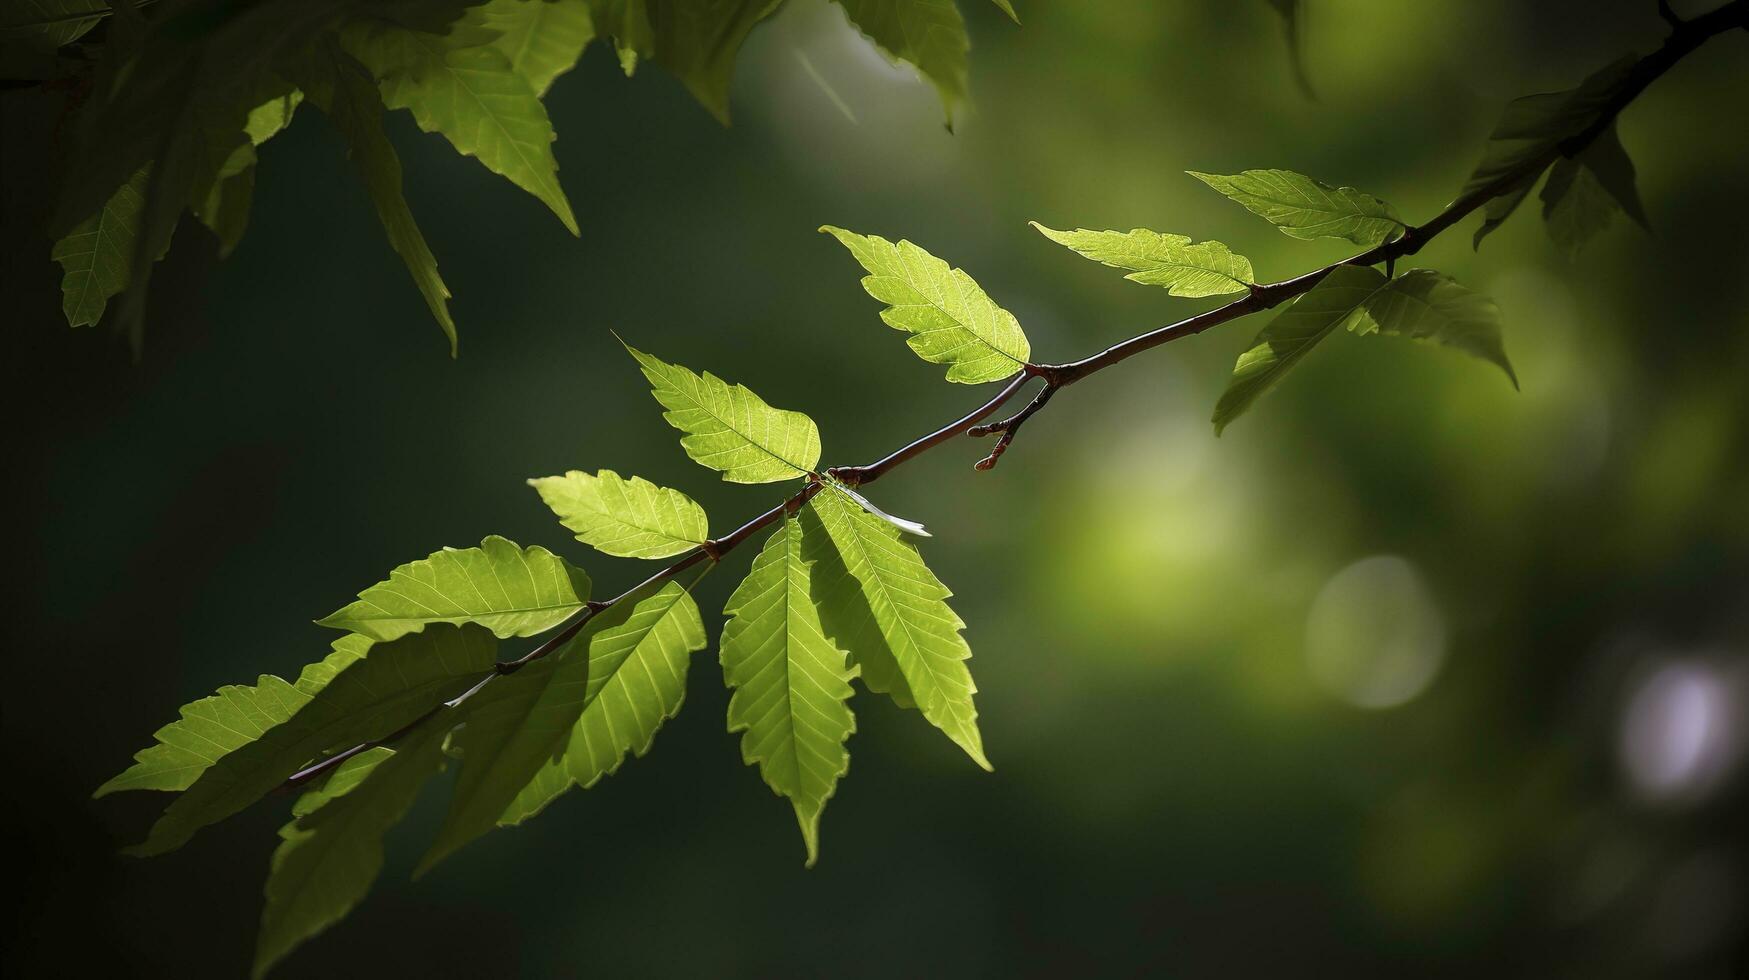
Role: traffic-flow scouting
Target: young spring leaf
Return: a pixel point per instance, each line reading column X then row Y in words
column 97, row 256
column 927, row 34
column 729, row 428
column 542, row 38
column 227, row 720
column 637, row 681
column 1305, row 208
column 1292, row 334
column 391, row 686
column 627, row 518
column 950, row 319
column 332, row 851
column 917, row 628
column 791, row 684
column 338, row 85
column 1424, row 305
column 510, row 590
column 1172, row 261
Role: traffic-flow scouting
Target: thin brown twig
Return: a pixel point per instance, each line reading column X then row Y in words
column 1684, row 38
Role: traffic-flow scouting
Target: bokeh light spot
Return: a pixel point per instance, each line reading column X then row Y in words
column 1375, row 637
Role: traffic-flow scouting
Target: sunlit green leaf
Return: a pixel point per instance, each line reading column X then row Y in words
column 918, row 631
column 1306, row 208
column 629, row 518
column 231, row 718
column 510, row 590
column 791, row 683
column 1172, row 261
column 461, row 85
column 729, row 428
column 950, row 319
column 390, row 686
column 637, row 680
column 542, row 38
column 1292, row 334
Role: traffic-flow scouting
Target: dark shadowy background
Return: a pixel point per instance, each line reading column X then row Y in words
column 1408, row 673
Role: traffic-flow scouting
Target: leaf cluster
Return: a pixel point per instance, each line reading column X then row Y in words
column 176, row 98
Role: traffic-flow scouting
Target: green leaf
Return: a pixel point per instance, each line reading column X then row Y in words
column 1584, row 192
column 510, row 590
column 791, row 683
column 542, row 38
column 49, row 24
column 1531, row 128
column 519, row 730
column 97, row 256
column 1292, row 334
column 1185, row 269
column 637, row 681
column 628, row 518
column 343, row 89
column 1305, row 208
column 1424, row 305
column 950, row 319
column 697, row 41
column 1008, row 8
column 929, row 35
column 331, row 853
column 391, row 686
column 917, row 630
column 729, row 428
column 461, row 85
column 231, row 718
column 225, row 208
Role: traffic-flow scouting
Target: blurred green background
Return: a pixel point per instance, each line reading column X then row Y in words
column 1406, row 673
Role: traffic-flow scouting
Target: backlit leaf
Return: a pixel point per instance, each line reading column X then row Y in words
column 918, row 630
column 629, row 518
column 951, row 321
column 729, row 428
column 1306, row 208
column 542, row 38
column 1172, row 261
column 236, row 715
column 637, row 681
column 791, row 684
column 510, row 590
column 390, row 686
column 461, row 85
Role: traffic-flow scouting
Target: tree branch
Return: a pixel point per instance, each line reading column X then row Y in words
column 1684, row 38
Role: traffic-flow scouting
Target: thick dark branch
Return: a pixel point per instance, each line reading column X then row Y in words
column 1686, row 36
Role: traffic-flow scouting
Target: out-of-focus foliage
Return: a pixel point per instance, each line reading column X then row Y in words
column 173, row 96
